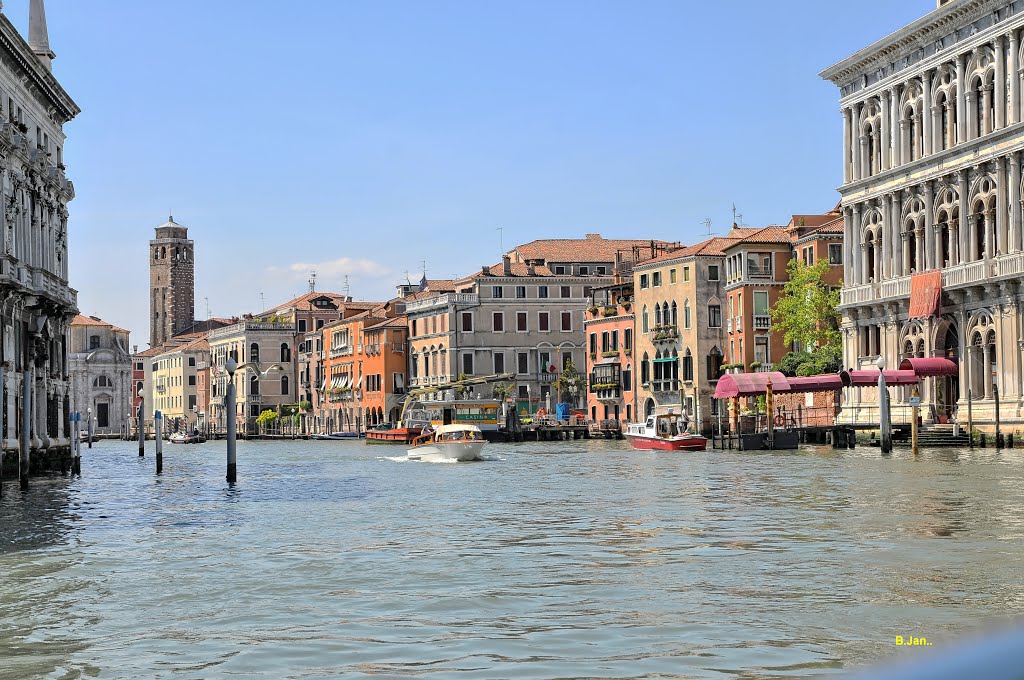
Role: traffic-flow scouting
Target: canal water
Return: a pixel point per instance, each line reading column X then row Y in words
column 547, row 560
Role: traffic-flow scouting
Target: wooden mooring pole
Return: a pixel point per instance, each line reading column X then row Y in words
column 158, row 421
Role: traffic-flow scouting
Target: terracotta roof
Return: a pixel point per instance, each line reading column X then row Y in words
column 303, row 303
column 516, row 269
column 810, row 220
column 196, row 344
column 712, row 247
column 593, row 248
column 401, row 321
column 767, row 235
column 82, row 320
column 151, row 352
column 833, row 227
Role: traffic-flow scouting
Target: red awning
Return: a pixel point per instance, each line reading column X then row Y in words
column 749, row 384
column 929, row 367
column 925, row 293
column 869, row 378
column 816, row 383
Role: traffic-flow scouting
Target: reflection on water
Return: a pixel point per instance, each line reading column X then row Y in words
column 338, row 558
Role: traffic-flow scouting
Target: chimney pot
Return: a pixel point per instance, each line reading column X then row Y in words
column 485, row 270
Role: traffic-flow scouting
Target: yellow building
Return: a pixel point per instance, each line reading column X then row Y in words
column 174, row 380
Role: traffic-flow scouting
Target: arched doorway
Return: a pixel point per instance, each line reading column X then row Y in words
column 648, row 408
column 947, row 388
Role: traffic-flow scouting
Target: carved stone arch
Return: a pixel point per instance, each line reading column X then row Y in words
column 912, row 94
column 913, row 206
column 979, row 318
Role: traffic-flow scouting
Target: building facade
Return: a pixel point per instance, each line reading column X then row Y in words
column 38, row 304
column 172, row 270
column 175, row 377
column 680, row 334
column 100, row 370
column 609, row 328
column 931, row 197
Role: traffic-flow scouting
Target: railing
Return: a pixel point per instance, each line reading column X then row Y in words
column 546, row 377
column 762, row 322
column 964, row 274
column 765, row 367
column 759, row 273
column 1010, row 265
column 898, row 287
column 665, row 386
column 739, row 323
column 399, row 347
column 373, row 350
column 340, row 352
column 853, row 295
column 161, row 388
column 443, row 301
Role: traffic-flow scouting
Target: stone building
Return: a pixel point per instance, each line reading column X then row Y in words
column 36, row 303
column 523, row 316
column 609, row 328
column 100, row 369
column 931, row 198
column 172, row 277
column 176, row 374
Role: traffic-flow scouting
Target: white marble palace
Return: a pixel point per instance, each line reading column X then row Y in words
column 932, row 153
column 36, row 303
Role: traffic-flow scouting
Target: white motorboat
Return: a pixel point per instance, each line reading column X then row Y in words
column 449, row 442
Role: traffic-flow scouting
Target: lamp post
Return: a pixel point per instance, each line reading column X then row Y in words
column 158, row 420
column 529, row 404
column 229, row 406
column 88, row 426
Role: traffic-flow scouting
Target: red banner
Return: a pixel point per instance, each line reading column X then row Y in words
column 925, row 293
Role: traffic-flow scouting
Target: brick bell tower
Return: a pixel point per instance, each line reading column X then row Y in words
column 171, row 282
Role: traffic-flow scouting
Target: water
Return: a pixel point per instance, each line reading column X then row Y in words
column 550, row 560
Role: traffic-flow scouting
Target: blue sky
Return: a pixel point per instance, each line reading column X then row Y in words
column 366, row 137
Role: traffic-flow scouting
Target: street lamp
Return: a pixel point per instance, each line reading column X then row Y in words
column 529, row 404
column 88, row 427
column 229, row 406
column 141, row 426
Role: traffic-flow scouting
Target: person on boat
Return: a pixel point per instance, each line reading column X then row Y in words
column 684, row 422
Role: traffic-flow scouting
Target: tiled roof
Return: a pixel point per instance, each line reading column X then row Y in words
column 834, row 227
column 394, row 322
column 151, row 352
column 712, row 247
column 198, row 343
column 303, row 303
column 82, row 320
column 767, row 235
column 515, row 269
column 593, row 248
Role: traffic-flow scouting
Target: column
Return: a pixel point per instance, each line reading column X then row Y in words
column 904, row 135
column 847, row 247
column 884, row 252
column 961, row 114
column 929, row 228
column 886, row 140
column 897, row 141
column 1001, row 210
column 986, row 110
column 1000, row 84
column 847, row 165
column 857, row 246
column 927, row 114
column 951, row 243
column 894, row 234
column 906, row 253
column 865, row 163
column 986, row 368
column 972, row 114
column 1014, row 194
column 1014, row 74
column 990, row 234
column 857, row 142
column 961, row 176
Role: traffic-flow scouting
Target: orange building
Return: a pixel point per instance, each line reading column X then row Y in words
column 364, row 369
column 756, row 268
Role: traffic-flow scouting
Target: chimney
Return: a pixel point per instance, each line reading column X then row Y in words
column 531, row 269
column 485, row 270
column 593, row 237
column 617, row 268
column 506, row 265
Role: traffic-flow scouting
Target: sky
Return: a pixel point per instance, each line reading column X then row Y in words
column 368, row 138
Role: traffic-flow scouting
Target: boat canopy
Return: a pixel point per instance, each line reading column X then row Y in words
column 457, row 427
column 930, row 366
column 869, row 378
column 749, row 384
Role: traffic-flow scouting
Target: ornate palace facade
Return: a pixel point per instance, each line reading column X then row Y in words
column 36, row 303
column 932, row 146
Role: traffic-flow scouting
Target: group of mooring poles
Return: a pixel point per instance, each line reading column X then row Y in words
column 229, row 407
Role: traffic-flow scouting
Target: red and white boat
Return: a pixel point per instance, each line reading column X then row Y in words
column 665, row 432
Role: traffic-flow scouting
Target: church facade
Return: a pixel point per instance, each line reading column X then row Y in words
column 931, row 200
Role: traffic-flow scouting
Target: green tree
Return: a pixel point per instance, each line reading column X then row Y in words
column 267, row 418
column 503, row 390
column 806, row 313
column 569, row 384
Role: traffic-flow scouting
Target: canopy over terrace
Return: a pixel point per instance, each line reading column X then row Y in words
column 869, row 378
column 931, row 366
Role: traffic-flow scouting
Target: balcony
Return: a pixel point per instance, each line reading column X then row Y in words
column 442, row 301
column 161, row 388
column 762, row 322
column 343, row 351
column 760, row 272
column 398, row 347
column 728, row 326
column 664, row 334
column 547, row 377
column 739, row 323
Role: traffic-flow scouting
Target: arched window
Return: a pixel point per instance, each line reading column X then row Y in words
column 163, row 253
column 645, row 370
column 284, row 385
column 688, row 366
column 675, row 317
column 657, row 314
column 644, row 321
column 286, row 352
column 102, row 381
column 156, row 253
column 254, row 352
column 254, row 386
column 686, row 314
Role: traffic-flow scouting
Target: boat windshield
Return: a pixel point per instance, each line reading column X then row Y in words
column 459, row 435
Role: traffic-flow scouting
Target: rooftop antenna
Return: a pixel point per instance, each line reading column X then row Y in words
column 348, row 289
column 207, row 307
column 501, row 241
column 263, row 302
column 312, row 282
column 707, row 225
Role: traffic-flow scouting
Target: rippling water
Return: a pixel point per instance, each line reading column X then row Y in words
column 547, row 560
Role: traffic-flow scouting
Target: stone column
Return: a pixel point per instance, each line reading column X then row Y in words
column 904, row 135
column 847, row 164
column 847, row 247
column 972, row 114
column 929, row 228
column 894, row 233
column 990, row 234
column 906, row 253
column 1001, row 209
column 961, row 114
column 927, row 114
column 1000, row 84
column 1014, row 74
column 987, row 369
column 857, row 246
column 986, row 110
column 886, row 140
column 964, row 232
column 885, row 254
column 858, row 145
column 865, row 272
column 897, row 142
column 1015, row 242
column 865, row 161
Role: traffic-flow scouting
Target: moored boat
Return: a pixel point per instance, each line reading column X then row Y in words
column 665, row 432
column 183, row 438
column 338, row 435
column 449, row 442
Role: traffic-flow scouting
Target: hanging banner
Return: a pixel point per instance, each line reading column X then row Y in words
column 925, row 294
